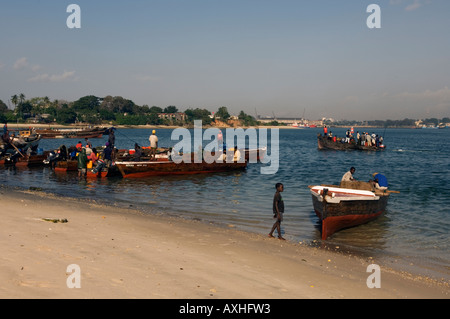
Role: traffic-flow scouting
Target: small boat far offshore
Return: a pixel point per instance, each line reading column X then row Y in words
column 326, row 143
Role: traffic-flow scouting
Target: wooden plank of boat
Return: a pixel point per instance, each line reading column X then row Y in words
column 340, row 208
column 66, row 166
column 155, row 168
column 31, row 160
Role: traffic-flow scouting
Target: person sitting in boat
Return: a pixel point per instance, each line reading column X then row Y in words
column 348, row 177
column 57, row 156
column 137, row 152
column 379, row 181
column 224, row 154
column 94, row 156
column 237, row 154
column 72, row 152
column 330, row 136
column 99, row 167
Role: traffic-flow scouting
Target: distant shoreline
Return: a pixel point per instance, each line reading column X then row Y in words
column 76, row 126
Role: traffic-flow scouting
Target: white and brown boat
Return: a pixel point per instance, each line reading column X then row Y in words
column 343, row 207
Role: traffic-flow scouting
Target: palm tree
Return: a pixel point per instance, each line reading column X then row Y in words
column 15, row 100
column 21, row 98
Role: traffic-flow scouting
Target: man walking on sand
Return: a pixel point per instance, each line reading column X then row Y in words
column 278, row 210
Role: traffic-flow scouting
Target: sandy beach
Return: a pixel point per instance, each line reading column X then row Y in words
column 122, row 253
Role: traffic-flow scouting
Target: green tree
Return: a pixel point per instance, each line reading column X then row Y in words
column 66, row 116
column 3, row 107
column 156, row 109
column 89, row 102
column 222, row 113
column 246, row 119
column 171, row 109
column 198, row 114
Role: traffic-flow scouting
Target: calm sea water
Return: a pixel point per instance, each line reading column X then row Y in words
column 413, row 234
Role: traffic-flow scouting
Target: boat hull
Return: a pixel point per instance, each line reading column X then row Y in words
column 158, row 168
column 112, row 171
column 351, row 210
column 66, row 133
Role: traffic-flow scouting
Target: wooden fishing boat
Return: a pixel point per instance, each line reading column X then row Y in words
column 339, row 208
column 165, row 167
column 96, row 132
column 325, row 143
column 20, row 142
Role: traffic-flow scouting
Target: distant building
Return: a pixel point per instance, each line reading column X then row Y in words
column 179, row 116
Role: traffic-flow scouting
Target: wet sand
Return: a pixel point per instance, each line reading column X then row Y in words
column 122, row 253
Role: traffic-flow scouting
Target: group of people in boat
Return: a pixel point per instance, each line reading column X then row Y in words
column 87, row 157
column 19, row 144
column 379, row 181
column 363, row 139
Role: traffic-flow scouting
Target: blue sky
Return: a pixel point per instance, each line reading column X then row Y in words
column 284, row 56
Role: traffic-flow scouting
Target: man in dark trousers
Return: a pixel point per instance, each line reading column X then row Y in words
column 278, row 210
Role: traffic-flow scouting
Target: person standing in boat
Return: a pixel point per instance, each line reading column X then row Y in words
column 278, row 211
column 219, row 140
column 153, row 145
column 137, row 152
column 237, row 155
column 348, row 177
column 107, row 155
column 112, row 139
column 88, row 143
column 82, row 163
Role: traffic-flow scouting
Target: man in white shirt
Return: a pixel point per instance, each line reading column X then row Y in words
column 153, row 145
column 348, row 177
